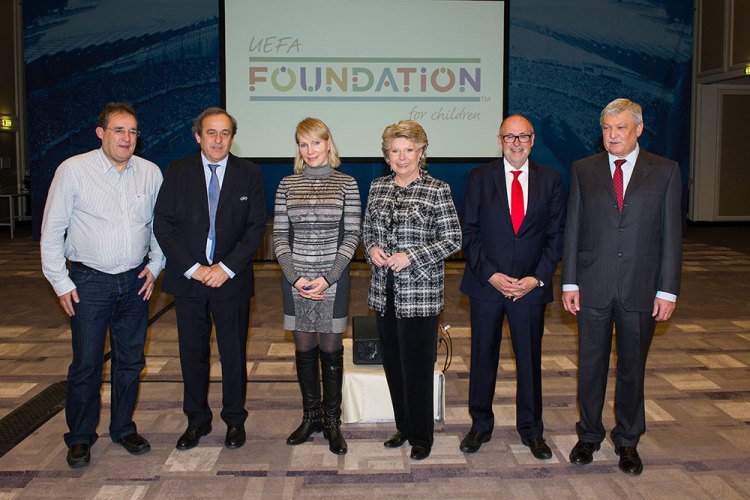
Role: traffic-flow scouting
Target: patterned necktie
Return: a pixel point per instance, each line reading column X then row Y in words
column 213, row 202
column 617, row 181
column 516, row 202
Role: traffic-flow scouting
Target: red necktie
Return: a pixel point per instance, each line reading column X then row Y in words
column 617, row 181
column 516, row 201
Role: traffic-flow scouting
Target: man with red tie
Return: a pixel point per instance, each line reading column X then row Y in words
column 621, row 266
column 512, row 223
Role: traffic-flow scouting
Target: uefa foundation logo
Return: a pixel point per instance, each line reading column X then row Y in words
column 362, row 79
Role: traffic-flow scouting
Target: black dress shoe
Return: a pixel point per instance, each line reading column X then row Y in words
column 79, row 455
column 395, row 441
column 192, row 436
column 583, row 452
column 235, row 436
column 538, row 448
column 630, row 461
column 473, row 441
column 134, row 443
column 419, row 452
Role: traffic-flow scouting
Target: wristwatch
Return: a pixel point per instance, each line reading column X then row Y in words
column 541, row 283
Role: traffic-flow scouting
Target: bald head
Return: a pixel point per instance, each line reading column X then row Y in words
column 516, row 137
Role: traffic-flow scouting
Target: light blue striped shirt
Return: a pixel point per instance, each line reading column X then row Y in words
column 108, row 216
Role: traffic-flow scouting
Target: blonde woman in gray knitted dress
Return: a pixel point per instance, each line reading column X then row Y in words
column 316, row 230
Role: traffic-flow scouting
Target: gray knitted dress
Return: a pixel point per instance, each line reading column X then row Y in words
column 316, row 230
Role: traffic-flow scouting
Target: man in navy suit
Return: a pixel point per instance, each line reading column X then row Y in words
column 621, row 266
column 209, row 220
column 512, row 222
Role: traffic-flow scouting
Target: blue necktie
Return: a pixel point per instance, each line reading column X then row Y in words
column 213, row 202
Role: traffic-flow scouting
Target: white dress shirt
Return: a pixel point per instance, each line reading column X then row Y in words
column 107, row 214
column 220, row 171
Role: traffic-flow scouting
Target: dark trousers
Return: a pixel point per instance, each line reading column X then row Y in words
column 634, row 332
column 231, row 318
column 526, row 324
column 409, row 348
column 107, row 301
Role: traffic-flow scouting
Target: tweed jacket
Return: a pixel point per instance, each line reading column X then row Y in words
column 421, row 221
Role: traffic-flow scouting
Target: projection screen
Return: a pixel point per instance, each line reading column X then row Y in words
column 361, row 65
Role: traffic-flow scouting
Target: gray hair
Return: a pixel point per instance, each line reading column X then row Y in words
column 619, row 105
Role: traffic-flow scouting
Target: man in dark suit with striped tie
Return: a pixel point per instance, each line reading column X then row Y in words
column 209, row 219
column 622, row 260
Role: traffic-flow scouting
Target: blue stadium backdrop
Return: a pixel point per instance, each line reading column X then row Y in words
column 566, row 61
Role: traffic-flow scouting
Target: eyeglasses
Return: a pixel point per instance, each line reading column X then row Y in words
column 409, row 152
column 510, row 138
column 121, row 132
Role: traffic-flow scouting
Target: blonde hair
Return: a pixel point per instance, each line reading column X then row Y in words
column 314, row 129
column 409, row 130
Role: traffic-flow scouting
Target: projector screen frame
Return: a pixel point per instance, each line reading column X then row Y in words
column 279, row 159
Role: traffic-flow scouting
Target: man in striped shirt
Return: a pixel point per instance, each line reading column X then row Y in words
column 99, row 216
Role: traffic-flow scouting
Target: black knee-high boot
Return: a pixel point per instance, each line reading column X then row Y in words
column 332, row 364
column 308, row 374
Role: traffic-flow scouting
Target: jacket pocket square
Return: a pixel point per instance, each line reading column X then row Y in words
column 243, row 198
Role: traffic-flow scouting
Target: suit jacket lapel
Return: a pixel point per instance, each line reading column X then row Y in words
column 602, row 172
column 230, row 177
column 498, row 177
column 199, row 179
column 641, row 170
column 534, row 188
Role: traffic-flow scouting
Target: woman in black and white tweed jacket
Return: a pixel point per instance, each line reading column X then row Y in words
column 410, row 228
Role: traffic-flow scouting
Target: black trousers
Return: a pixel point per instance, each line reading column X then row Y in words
column 231, row 318
column 409, row 348
column 526, row 324
column 634, row 332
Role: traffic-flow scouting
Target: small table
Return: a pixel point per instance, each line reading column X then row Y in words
column 365, row 392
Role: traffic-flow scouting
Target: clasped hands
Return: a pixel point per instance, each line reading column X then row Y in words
column 212, row 276
column 514, row 288
column 396, row 262
column 311, row 289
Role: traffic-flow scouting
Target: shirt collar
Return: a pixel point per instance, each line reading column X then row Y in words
column 106, row 165
column 510, row 168
column 630, row 158
column 221, row 163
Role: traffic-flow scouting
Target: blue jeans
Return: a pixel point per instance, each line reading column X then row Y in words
column 107, row 301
